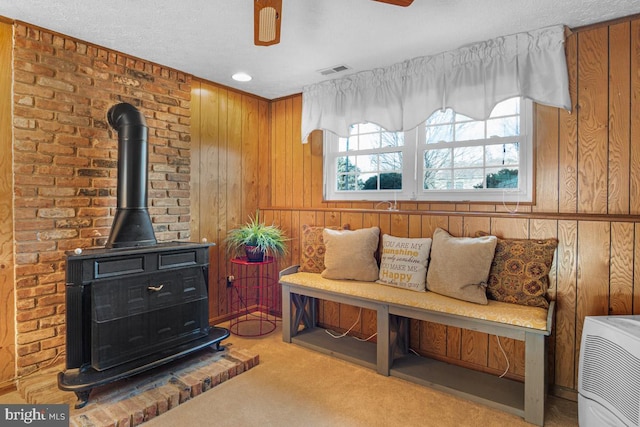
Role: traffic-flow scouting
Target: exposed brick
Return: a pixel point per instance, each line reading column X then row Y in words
column 148, row 404
column 194, row 382
column 136, row 413
column 65, row 162
column 31, row 348
column 161, row 399
column 56, row 213
column 172, row 393
column 97, row 417
column 32, row 359
column 121, row 417
column 183, row 388
column 36, row 313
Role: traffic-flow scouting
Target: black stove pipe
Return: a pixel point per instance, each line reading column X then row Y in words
column 132, row 223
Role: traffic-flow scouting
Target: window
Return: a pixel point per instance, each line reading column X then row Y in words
column 449, row 157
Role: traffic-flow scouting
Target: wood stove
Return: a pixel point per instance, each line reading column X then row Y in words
column 134, row 304
column 130, row 310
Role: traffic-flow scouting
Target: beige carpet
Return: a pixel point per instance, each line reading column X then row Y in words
column 294, row 386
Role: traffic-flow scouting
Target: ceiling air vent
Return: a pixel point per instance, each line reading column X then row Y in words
column 333, row 70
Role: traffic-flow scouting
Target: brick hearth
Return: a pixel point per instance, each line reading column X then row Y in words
column 135, row 400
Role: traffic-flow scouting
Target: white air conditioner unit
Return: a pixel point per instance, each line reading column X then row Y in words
column 609, row 372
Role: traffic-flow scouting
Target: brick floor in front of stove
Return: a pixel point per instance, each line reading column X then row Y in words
column 133, row 401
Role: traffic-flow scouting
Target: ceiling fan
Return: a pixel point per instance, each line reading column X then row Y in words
column 267, row 17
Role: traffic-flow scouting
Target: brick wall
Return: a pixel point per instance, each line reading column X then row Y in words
column 65, row 165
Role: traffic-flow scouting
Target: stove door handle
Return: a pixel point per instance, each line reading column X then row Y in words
column 155, row 288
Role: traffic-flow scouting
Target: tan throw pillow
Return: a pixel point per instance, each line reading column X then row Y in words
column 459, row 266
column 520, row 271
column 351, row 254
column 404, row 262
column 313, row 249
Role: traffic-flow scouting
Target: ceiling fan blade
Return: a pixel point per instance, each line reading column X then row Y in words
column 403, row 3
column 267, row 17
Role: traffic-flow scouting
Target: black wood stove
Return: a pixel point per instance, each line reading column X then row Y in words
column 135, row 304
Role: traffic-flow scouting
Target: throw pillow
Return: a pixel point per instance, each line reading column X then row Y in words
column 520, row 271
column 313, row 249
column 459, row 266
column 350, row 254
column 404, row 262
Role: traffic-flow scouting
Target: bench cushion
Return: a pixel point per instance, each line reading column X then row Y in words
column 496, row 311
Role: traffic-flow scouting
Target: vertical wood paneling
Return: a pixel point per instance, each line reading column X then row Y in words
column 473, row 225
column 208, row 153
column 196, row 163
column 433, row 338
column 264, row 149
column 7, row 314
column 568, row 140
column 234, row 178
column 636, row 270
column 621, row 276
column 506, row 353
column 565, row 327
column 619, row 115
column 250, row 156
column 298, row 154
column 316, row 168
column 475, row 347
column 546, row 157
column 592, row 296
column 231, row 159
column 288, row 153
column 593, row 120
column 278, row 171
column 223, row 198
column 634, row 181
column 512, row 228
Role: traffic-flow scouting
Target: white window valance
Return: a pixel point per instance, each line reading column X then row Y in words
column 470, row 80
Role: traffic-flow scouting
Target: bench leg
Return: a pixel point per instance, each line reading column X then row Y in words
column 286, row 313
column 383, row 350
column 534, row 378
column 305, row 313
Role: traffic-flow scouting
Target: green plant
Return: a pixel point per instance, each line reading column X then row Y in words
column 269, row 239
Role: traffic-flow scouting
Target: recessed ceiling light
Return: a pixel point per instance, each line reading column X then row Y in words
column 241, row 77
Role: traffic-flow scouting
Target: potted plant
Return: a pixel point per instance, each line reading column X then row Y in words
column 256, row 239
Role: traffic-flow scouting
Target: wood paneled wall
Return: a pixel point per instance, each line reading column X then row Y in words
column 230, row 174
column 587, row 195
column 7, row 313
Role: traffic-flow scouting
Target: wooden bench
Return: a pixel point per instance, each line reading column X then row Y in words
column 390, row 355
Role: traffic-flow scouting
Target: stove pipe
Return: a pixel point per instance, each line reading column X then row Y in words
column 132, row 223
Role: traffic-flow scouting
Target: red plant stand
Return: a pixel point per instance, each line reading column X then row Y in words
column 254, row 303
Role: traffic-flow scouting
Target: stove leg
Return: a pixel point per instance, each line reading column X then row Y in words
column 83, row 398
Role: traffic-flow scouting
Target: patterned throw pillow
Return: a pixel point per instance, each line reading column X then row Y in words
column 520, row 271
column 313, row 248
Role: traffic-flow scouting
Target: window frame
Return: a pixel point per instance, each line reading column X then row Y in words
column 413, row 170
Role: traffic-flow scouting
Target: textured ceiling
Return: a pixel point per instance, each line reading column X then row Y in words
column 212, row 39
